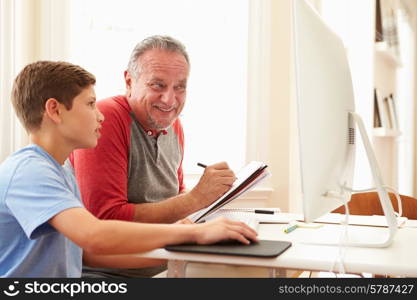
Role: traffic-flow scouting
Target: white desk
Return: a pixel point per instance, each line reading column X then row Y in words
column 399, row 259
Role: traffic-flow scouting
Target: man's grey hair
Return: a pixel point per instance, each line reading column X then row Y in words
column 154, row 42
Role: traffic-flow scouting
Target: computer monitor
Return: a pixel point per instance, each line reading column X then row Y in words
column 326, row 120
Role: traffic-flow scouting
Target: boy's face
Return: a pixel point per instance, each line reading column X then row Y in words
column 81, row 124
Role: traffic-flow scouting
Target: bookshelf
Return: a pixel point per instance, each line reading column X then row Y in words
column 386, row 129
column 381, row 46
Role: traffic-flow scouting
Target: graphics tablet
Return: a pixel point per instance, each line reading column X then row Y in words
column 263, row 248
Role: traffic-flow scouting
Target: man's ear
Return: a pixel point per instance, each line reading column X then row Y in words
column 53, row 110
column 128, row 81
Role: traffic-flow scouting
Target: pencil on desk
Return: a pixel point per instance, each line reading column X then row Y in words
column 291, row 228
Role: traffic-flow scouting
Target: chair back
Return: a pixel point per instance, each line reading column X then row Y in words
column 368, row 204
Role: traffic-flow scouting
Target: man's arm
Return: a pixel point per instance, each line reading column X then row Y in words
column 216, row 180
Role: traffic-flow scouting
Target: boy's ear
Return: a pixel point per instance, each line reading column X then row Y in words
column 53, row 110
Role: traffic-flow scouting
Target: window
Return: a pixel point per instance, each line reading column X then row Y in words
column 215, row 33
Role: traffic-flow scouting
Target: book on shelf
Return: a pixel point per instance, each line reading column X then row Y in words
column 393, row 111
column 381, row 108
column 247, row 178
column 377, row 115
column 379, row 36
column 387, row 29
column 388, row 114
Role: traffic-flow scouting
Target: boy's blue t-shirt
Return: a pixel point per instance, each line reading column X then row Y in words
column 34, row 187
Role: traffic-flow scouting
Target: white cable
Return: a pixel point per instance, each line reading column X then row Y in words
column 342, row 241
column 400, row 204
column 344, row 234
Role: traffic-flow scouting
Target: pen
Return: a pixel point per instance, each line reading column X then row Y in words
column 269, row 211
column 201, row 165
column 262, row 211
column 291, row 228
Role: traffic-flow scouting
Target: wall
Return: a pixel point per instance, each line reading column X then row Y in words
column 280, row 103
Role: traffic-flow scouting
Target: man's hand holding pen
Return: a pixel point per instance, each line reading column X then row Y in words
column 215, row 181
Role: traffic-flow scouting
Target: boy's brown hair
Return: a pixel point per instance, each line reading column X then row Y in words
column 39, row 81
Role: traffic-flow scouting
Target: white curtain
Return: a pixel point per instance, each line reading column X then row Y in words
column 26, row 35
column 11, row 133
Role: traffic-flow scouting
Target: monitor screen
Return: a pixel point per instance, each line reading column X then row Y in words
column 324, row 94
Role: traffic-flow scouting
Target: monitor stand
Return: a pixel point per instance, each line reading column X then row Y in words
column 370, row 237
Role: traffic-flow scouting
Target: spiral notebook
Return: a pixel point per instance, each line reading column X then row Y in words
column 247, row 178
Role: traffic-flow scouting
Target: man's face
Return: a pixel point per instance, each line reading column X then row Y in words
column 157, row 94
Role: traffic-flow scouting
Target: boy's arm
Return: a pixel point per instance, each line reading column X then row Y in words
column 105, row 237
column 119, row 261
column 103, row 186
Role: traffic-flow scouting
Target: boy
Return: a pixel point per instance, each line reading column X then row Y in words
column 44, row 229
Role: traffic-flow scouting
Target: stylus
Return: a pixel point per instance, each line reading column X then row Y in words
column 262, row 211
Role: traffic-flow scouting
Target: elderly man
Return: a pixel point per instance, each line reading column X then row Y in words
column 135, row 172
